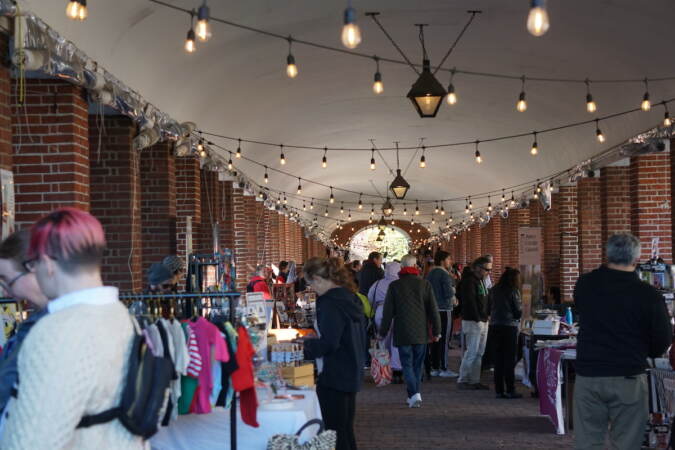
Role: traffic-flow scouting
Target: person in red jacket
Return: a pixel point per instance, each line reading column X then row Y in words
column 258, row 283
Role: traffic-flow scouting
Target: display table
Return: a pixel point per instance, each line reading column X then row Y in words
column 553, row 371
column 212, row 431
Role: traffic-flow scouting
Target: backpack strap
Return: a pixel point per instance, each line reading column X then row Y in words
column 102, row 417
column 318, row 422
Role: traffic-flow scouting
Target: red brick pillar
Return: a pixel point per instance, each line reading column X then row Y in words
column 474, row 239
column 569, row 241
column 262, row 215
column 188, row 204
column 50, row 137
column 275, row 247
column 5, row 107
column 158, row 203
column 227, row 225
column 590, row 224
column 614, row 202
column 493, row 245
column 650, row 196
column 116, row 199
column 462, row 241
column 284, row 236
column 551, row 234
column 245, row 234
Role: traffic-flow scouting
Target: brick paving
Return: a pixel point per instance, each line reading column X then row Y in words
column 452, row 419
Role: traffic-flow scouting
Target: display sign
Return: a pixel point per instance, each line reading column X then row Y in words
column 529, row 246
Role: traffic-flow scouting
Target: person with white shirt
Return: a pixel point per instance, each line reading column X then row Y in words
column 74, row 361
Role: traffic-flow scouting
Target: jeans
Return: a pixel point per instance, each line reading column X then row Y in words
column 618, row 405
column 475, row 337
column 338, row 410
column 412, row 361
column 505, row 341
column 439, row 350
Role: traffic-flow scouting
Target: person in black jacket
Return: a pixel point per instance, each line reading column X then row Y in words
column 622, row 322
column 339, row 349
column 505, row 313
column 473, row 297
column 370, row 272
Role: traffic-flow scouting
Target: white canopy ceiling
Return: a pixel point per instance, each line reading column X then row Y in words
column 236, row 83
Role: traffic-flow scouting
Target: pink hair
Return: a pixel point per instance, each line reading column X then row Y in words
column 68, row 235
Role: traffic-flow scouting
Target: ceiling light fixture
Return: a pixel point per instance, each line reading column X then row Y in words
column 372, row 159
column 378, row 86
column 521, row 105
column 452, row 95
column 190, row 45
column 299, row 186
column 291, row 68
column 324, row 160
column 537, row 19
column 399, row 186
column 426, row 93
column 423, row 160
column 479, row 159
column 267, row 178
column 203, row 27
column 591, row 107
column 238, row 154
column 534, row 151
column 387, row 208
column 598, row 133
column 646, row 105
column 77, row 10
column 332, row 198
column 282, row 157
column 351, row 34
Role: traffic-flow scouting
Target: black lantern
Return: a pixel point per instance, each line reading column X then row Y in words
column 399, row 186
column 387, row 208
column 427, row 94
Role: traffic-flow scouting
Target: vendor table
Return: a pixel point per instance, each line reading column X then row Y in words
column 530, row 355
column 212, row 431
column 555, row 370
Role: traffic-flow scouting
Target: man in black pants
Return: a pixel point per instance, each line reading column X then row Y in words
column 444, row 292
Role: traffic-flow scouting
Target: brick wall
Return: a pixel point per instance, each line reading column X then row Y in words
column 474, row 242
column 590, row 224
column 614, row 202
column 494, row 245
column 569, row 241
column 188, row 203
column 227, row 218
column 650, row 195
column 551, row 233
column 275, row 248
column 116, row 199
column 50, row 140
column 158, row 203
column 5, row 106
column 462, row 248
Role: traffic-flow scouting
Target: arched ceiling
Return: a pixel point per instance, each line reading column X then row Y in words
column 236, row 83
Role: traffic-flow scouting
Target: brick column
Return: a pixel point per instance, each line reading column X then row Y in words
column 116, row 199
column 569, row 241
column 493, row 245
column 50, row 139
column 188, row 204
column 474, row 242
column 212, row 211
column 5, row 107
column 650, row 195
column 227, row 225
column 517, row 218
column 551, row 234
column 158, row 203
column 275, row 248
column 590, row 224
column 614, row 202
column 245, row 242
column 263, row 233
column 462, row 249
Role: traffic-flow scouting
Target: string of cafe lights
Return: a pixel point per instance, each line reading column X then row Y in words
column 351, row 37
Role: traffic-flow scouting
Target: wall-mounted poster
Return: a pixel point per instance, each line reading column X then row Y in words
column 7, row 198
column 529, row 246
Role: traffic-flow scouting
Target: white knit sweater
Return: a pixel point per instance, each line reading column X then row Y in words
column 73, row 363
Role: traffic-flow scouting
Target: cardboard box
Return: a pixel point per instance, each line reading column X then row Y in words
column 298, row 371
column 303, row 381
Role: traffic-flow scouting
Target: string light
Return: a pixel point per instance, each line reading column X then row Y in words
column 479, row 159
column 521, row 106
column 304, row 206
column 423, row 160
column 405, row 211
column 77, row 10
column 349, row 216
column 229, row 163
column 299, row 186
column 360, row 202
column 451, row 98
column 332, row 198
column 200, row 145
column 489, row 207
column 238, row 154
column 591, row 107
column 378, row 86
column 667, row 120
column 538, row 186
column 534, row 151
column 646, row 105
column 190, row 45
column 536, row 195
column 598, row 133
column 466, row 207
column 513, row 199
column 267, row 178
column 324, row 161
column 203, row 27
column 285, row 199
column 372, row 210
column 436, row 208
column 282, row 157
column 326, row 213
column 442, row 210
column 433, row 220
column 372, row 159
column 417, row 210
column 351, row 34
column 342, row 208
column 537, row 19
column 503, row 196
column 311, row 204
column 291, row 68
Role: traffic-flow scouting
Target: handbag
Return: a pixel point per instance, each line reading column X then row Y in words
column 380, row 368
column 324, row 440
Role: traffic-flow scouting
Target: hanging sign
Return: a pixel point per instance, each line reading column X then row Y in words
column 529, row 246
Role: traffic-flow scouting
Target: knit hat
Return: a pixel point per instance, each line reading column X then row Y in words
column 173, row 263
column 158, row 274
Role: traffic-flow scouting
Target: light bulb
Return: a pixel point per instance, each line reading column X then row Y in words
column 451, row 98
column 311, row 204
column 332, row 199
column 267, row 179
column 203, row 27
column 372, row 163
column 190, row 46
column 423, row 162
column 667, row 121
column 82, row 13
column 229, row 164
column 202, row 153
column 442, row 211
column 324, row 162
column 378, row 86
column 351, row 34
column 282, row 159
column 291, row 68
column 537, row 19
column 521, row 106
column 591, row 107
column 479, row 159
column 73, row 9
column 534, row 150
column 599, row 135
column 646, row 105
column 238, row 154
column 360, row 204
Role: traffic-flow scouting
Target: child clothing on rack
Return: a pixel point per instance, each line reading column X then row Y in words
column 243, row 379
column 211, row 347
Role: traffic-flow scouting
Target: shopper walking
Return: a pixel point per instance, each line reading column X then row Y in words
column 376, row 296
column 505, row 312
column 444, row 292
column 410, row 303
column 20, row 285
column 473, row 297
column 74, row 361
column 258, row 283
column 340, row 323
column 371, row 271
column 622, row 322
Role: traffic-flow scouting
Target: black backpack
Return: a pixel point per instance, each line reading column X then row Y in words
column 145, row 394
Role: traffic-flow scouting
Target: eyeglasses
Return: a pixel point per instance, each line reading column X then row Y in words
column 486, row 269
column 8, row 286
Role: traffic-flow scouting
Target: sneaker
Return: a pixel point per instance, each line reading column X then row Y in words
column 448, row 374
column 434, row 373
column 465, row 386
column 415, row 401
column 513, row 395
column 480, row 387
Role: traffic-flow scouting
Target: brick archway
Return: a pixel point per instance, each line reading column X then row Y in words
column 343, row 237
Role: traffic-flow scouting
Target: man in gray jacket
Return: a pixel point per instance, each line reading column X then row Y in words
column 444, row 291
column 410, row 303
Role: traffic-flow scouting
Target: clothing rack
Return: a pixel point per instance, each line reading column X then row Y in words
column 232, row 298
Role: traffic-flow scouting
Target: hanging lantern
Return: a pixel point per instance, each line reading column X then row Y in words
column 426, row 94
column 387, row 208
column 399, row 186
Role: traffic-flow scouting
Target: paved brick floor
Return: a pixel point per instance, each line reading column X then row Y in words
column 452, row 419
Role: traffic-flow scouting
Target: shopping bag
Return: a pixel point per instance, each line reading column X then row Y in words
column 380, row 368
column 324, row 440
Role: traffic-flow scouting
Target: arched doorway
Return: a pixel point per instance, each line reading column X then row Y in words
column 394, row 245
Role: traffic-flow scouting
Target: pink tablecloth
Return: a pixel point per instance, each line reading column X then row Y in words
column 549, row 382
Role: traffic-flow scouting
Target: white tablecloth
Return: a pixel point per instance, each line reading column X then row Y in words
column 212, row 431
